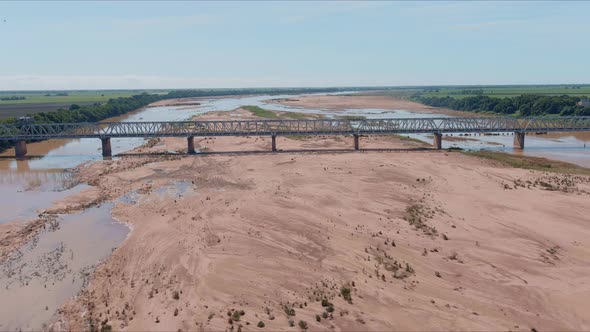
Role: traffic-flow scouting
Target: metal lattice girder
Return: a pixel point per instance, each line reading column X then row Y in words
column 293, row 127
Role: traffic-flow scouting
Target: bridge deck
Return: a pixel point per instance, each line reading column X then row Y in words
column 294, row 127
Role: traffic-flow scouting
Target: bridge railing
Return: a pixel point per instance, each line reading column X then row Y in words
column 293, row 127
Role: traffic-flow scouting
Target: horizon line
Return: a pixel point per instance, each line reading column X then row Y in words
column 376, row 87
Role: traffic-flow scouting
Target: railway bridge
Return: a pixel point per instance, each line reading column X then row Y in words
column 520, row 126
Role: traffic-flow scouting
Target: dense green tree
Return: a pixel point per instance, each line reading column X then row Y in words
column 524, row 105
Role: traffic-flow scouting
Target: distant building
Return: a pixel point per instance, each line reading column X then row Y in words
column 584, row 103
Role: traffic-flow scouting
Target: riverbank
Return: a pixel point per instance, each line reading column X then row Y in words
column 341, row 103
column 385, row 238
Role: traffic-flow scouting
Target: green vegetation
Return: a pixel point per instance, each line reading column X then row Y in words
column 524, row 105
column 303, row 325
column 68, row 97
column 352, row 117
column 12, row 98
column 295, row 115
column 106, row 328
column 346, row 294
column 533, row 163
column 523, row 100
column 260, row 112
column 260, row 324
column 289, row 310
column 236, row 316
column 417, row 215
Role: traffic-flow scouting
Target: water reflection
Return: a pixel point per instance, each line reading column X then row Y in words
column 25, row 193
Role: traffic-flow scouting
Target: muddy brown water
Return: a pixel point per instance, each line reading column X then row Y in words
column 41, row 275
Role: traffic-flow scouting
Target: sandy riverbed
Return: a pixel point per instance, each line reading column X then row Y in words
column 424, row 240
column 265, row 232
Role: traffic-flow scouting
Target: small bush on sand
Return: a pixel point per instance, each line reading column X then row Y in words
column 289, row 310
column 346, row 294
column 303, row 325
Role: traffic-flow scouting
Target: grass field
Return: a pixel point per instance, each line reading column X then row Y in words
column 72, row 97
column 260, row 112
column 17, row 110
column 47, row 101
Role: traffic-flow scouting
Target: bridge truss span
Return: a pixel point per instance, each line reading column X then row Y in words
column 356, row 127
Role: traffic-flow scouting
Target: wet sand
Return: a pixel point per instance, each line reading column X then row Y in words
column 424, row 240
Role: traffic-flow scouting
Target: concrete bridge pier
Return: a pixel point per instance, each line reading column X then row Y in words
column 20, row 148
column 106, row 147
column 357, row 142
column 274, row 143
column 190, row 144
column 437, row 142
column 519, row 140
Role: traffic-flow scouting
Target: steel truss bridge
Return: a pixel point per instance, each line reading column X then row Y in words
column 357, row 127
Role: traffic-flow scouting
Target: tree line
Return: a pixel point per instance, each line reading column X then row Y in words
column 524, row 105
column 13, row 98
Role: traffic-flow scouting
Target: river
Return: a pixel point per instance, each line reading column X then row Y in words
column 77, row 242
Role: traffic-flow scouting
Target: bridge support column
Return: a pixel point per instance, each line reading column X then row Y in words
column 190, row 144
column 20, row 148
column 357, row 142
column 437, row 142
column 519, row 140
column 274, row 143
column 106, row 147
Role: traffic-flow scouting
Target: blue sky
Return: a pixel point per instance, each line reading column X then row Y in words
column 88, row 45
